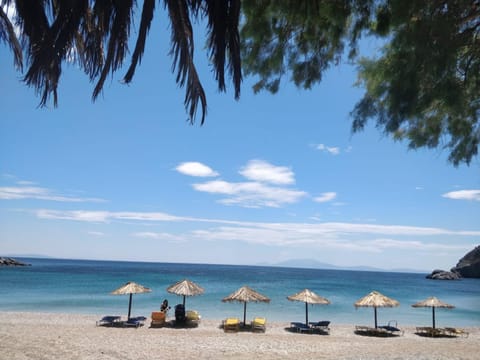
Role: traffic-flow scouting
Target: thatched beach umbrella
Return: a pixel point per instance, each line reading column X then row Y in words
column 185, row 288
column 433, row 302
column 130, row 288
column 308, row 297
column 375, row 299
column 246, row 294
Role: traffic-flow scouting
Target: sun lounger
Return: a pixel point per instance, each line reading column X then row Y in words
column 371, row 331
column 429, row 331
column 109, row 321
column 192, row 316
column 439, row 332
column 259, row 323
column 135, row 322
column 231, row 324
column 322, row 326
column 456, row 332
column 300, row 327
column 392, row 328
column 158, row 319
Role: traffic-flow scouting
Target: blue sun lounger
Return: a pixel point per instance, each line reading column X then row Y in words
column 322, row 326
column 135, row 322
column 300, row 327
column 109, row 320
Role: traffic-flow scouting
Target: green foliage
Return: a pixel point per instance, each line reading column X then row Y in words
column 424, row 86
column 300, row 37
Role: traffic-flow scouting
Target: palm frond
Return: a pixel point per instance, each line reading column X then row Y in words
column 145, row 22
column 224, row 40
column 7, row 34
column 41, row 74
column 118, row 31
column 182, row 51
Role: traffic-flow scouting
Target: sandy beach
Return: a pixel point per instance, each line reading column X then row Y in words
column 69, row 336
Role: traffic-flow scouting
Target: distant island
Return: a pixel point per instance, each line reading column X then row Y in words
column 314, row 264
column 6, row 261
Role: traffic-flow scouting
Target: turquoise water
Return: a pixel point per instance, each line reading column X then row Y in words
column 81, row 286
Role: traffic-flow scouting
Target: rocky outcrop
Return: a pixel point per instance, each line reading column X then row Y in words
column 443, row 275
column 469, row 265
column 5, row 261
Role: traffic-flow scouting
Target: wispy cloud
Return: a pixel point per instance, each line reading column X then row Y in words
column 96, row 233
column 336, row 229
column 39, row 193
column 325, row 197
column 334, row 150
column 326, row 240
column 472, row 195
column 262, row 171
column 104, row 216
column 159, row 236
column 194, row 168
column 251, row 194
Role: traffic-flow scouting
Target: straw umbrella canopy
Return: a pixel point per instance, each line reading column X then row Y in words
column 433, row 302
column 130, row 288
column 375, row 300
column 185, row 288
column 308, row 297
column 246, row 294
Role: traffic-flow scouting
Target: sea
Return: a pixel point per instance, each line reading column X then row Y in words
column 85, row 286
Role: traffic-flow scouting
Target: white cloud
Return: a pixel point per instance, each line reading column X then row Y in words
column 39, row 193
column 159, row 236
column 473, row 195
column 104, row 216
column 196, row 169
column 259, row 170
column 325, row 197
column 251, row 194
column 264, row 190
column 294, row 237
column 314, row 230
column 329, row 149
column 96, row 233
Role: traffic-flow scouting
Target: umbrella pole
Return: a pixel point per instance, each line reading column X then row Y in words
column 183, row 301
column 375, row 309
column 129, row 306
column 306, row 313
column 244, row 312
column 433, row 316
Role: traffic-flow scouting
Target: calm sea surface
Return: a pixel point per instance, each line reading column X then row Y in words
column 81, row 286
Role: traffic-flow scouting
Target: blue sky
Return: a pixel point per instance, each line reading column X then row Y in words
column 268, row 178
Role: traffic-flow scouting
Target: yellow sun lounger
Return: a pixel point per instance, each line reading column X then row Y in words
column 193, row 316
column 231, row 324
column 259, row 323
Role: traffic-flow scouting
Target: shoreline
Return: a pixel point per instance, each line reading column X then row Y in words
column 34, row 335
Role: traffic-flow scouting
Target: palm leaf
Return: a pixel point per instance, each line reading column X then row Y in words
column 7, row 34
column 224, row 38
column 118, row 31
column 182, row 51
column 145, row 22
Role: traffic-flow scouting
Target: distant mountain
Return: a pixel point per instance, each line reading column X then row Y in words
column 314, row 264
column 33, row 256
